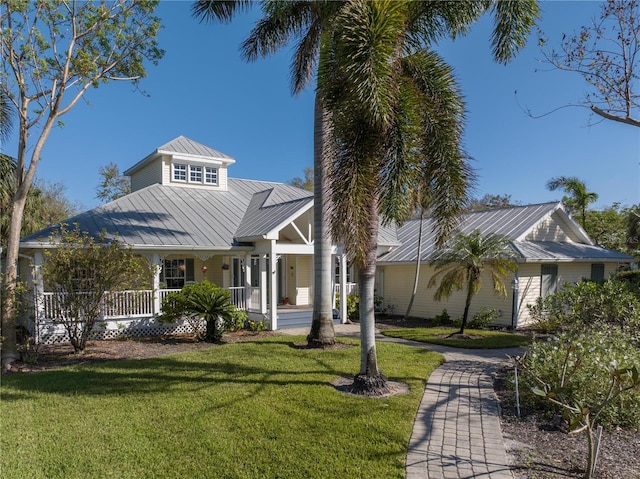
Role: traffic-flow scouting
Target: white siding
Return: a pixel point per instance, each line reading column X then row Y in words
column 553, row 229
column 303, row 280
column 149, row 175
column 398, row 285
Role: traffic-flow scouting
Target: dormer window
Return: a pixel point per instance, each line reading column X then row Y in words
column 195, row 174
column 179, row 172
column 211, row 175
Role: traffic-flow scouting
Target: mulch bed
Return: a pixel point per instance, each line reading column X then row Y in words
column 540, row 449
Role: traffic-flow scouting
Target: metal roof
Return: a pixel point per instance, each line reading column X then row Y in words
column 171, row 217
column 182, row 146
column 515, row 223
column 555, row 251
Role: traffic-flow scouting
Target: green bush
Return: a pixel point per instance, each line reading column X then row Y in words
column 480, row 320
column 579, row 364
column 353, row 306
column 442, row 318
column 198, row 302
column 237, row 320
column 588, row 303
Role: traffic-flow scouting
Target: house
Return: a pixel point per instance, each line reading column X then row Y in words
column 549, row 247
column 192, row 221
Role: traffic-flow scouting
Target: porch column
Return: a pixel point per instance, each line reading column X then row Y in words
column 273, row 286
column 263, row 284
column 156, row 263
column 247, row 283
column 343, row 288
column 38, row 288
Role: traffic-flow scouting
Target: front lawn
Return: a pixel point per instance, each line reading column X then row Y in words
column 243, row 410
column 480, row 338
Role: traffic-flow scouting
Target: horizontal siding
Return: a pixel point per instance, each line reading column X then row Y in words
column 398, row 285
column 150, row 174
column 303, row 280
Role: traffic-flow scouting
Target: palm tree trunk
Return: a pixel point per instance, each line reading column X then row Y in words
column 467, row 304
column 322, row 332
column 416, row 278
column 370, row 381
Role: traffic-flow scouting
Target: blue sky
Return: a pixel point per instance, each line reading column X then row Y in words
column 203, row 90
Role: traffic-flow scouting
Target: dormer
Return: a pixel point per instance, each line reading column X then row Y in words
column 182, row 162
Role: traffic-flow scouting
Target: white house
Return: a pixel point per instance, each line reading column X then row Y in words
column 550, row 248
column 192, row 221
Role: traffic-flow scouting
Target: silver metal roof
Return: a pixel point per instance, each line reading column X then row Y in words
column 515, row 223
column 171, row 217
column 181, row 146
column 553, row 251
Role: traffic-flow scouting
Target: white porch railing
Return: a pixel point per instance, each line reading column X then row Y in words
column 352, row 288
column 140, row 303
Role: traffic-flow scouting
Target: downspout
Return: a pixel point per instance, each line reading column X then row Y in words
column 515, row 286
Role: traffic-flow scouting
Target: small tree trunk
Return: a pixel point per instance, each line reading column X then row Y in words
column 467, row 305
column 416, row 278
column 591, row 452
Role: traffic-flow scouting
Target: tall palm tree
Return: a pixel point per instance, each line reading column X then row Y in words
column 378, row 81
column 578, row 199
column 302, row 22
column 461, row 266
column 380, row 132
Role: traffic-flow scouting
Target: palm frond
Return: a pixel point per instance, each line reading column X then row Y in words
column 513, row 21
column 210, row 11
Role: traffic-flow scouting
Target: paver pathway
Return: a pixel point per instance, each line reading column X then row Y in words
column 457, row 430
column 457, row 433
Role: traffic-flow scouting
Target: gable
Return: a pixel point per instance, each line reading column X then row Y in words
column 554, row 228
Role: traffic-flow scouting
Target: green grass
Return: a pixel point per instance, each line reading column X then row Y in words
column 244, row 410
column 487, row 340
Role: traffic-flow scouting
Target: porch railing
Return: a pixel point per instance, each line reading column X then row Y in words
column 352, row 289
column 140, row 303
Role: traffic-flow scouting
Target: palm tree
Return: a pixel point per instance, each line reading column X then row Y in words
column 6, row 117
column 461, row 266
column 303, row 22
column 327, row 42
column 211, row 304
column 389, row 99
column 579, row 198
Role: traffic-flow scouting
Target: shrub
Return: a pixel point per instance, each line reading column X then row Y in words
column 353, row 306
column 256, row 326
column 237, row 320
column 197, row 302
column 480, row 320
column 588, row 303
column 442, row 318
column 579, row 366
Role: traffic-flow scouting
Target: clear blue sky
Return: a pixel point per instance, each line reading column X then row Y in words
column 203, row 90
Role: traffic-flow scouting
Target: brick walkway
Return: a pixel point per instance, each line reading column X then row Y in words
column 457, row 429
column 456, row 433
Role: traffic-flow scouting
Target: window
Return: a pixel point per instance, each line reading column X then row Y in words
column 195, row 174
column 549, row 283
column 211, row 175
column 177, row 272
column 179, row 172
column 597, row 273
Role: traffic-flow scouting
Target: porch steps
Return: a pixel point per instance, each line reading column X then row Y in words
column 297, row 319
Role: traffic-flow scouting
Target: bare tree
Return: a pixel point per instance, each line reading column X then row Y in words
column 606, row 54
column 51, row 54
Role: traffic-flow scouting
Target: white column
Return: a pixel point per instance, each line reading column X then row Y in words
column 38, row 288
column 273, row 293
column 247, row 282
column 156, row 264
column 343, row 288
column 263, row 284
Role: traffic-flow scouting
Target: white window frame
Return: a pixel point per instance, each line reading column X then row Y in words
column 179, row 169
column 210, row 172
column 195, row 171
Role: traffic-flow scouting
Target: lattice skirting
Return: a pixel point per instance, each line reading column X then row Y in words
column 53, row 333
